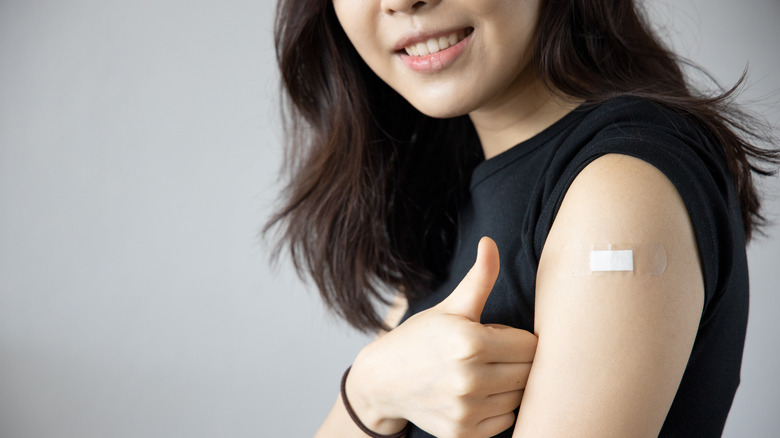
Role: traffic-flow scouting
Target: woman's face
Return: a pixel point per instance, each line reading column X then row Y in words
column 446, row 57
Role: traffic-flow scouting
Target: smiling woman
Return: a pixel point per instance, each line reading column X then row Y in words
column 496, row 45
column 418, row 127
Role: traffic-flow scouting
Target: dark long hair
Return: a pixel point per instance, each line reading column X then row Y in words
column 374, row 185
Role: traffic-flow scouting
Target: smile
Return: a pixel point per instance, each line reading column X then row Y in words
column 434, row 53
column 435, row 45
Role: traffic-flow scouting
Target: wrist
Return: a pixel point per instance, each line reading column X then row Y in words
column 364, row 389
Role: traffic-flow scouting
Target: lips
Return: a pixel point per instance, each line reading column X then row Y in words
column 429, row 53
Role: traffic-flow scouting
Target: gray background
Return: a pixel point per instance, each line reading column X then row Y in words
column 139, row 143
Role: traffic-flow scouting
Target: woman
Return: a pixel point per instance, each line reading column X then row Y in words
column 620, row 201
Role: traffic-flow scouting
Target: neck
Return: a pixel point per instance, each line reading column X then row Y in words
column 526, row 109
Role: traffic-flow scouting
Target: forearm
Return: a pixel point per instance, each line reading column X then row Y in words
column 339, row 424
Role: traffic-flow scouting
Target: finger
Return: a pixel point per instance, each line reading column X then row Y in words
column 503, row 402
column 468, row 299
column 495, row 425
column 502, row 377
column 504, row 344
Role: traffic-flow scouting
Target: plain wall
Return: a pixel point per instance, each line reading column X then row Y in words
column 139, row 143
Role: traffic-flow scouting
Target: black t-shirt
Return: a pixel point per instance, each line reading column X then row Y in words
column 516, row 195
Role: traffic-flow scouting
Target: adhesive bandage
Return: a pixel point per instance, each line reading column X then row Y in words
column 613, row 259
column 607, row 260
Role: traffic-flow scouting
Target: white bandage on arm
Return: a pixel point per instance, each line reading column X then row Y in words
column 613, row 259
column 607, row 260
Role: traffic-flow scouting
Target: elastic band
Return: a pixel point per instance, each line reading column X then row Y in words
column 355, row 418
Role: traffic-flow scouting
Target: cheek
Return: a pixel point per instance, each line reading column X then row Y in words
column 356, row 21
column 490, row 7
column 511, row 22
column 513, row 10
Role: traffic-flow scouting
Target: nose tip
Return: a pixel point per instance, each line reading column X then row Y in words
column 405, row 6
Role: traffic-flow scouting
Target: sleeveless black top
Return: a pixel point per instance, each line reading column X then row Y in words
column 516, row 195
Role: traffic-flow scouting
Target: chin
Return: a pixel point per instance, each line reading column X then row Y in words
column 441, row 110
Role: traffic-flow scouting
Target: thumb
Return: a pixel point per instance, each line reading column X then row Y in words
column 468, row 299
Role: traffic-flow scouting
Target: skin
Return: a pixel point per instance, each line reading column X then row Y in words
column 466, row 378
column 611, row 348
column 504, row 97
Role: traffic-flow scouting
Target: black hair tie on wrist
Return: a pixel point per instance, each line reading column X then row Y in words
column 355, row 418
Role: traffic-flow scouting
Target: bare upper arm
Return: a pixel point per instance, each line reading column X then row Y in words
column 613, row 346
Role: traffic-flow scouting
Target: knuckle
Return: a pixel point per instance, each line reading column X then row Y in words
column 461, row 414
column 464, row 385
column 467, row 347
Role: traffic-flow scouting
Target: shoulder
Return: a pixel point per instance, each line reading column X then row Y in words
column 671, row 156
column 619, row 201
column 613, row 345
column 636, row 109
column 639, row 119
column 645, row 130
column 619, row 196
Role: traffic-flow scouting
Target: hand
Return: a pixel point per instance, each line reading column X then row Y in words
column 442, row 369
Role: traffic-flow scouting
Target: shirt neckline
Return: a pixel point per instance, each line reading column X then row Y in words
column 492, row 165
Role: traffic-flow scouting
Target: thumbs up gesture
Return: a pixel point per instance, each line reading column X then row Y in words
column 468, row 299
column 444, row 370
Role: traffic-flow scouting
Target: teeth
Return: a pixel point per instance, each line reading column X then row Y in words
column 422, row 49
column 434, row 45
